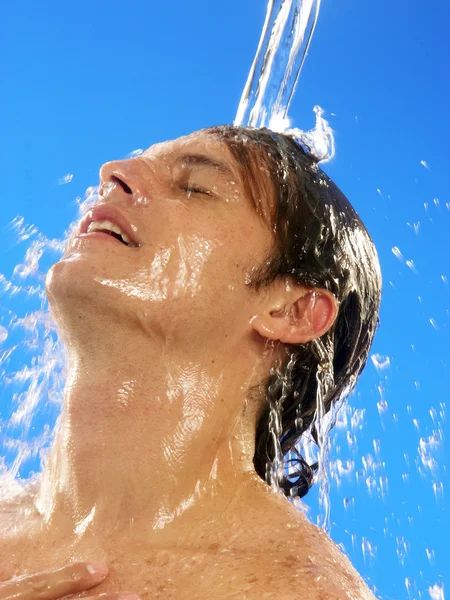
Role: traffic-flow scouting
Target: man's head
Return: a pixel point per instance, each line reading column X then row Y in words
column 247, row 254
column 319, row 242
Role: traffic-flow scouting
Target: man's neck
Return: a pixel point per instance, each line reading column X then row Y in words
column 145, row 445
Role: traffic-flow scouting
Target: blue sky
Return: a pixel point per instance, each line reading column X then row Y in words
column 87, row 82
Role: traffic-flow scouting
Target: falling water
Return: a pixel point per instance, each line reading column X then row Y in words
column 273, row 77
column 27, row 424
column 281, row 52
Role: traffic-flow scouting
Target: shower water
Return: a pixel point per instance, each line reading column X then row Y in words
column 287, row 33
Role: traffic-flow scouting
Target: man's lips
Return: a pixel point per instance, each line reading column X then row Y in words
column 108, row 212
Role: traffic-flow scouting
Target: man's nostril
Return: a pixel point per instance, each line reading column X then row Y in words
column 122, row 184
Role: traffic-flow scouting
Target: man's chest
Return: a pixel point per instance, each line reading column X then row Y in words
column 166, row 574
column 183, row 575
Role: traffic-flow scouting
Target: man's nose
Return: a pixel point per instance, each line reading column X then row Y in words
column 121, row 173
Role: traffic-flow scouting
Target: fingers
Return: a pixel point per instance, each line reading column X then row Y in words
column 54, row 584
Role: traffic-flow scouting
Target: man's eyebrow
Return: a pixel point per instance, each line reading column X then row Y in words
column 202, row 160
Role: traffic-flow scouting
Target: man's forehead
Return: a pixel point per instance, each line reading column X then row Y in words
column 196, row 141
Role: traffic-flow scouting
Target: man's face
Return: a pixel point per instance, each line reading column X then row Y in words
column 199, row 237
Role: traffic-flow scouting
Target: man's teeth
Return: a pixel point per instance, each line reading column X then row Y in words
column 108, row 226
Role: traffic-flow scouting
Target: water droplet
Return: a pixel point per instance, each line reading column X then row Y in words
column 380, row 362
column 141, row 200
column 368, row 549
column 3, row 333
column 135, row 153
column 412, row 266
column 436, row 591
column 377, row 447
column 382, row 406
column 397, row 253
column 430, row 555
column 438, row 489
column 65, row 179
column 434, row 324
column 348, row 503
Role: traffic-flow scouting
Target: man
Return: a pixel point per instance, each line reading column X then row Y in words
column 153, row 469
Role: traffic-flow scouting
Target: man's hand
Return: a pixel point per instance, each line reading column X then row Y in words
column 53, row 585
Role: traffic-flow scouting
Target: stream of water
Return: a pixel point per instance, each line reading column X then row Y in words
column 286, row 37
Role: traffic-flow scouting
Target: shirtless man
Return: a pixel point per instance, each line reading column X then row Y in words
column 158, row 465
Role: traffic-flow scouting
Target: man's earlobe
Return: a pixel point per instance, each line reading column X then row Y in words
column 307, row 318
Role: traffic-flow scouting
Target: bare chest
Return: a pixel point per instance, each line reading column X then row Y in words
column 166, row 574
column 263, row 564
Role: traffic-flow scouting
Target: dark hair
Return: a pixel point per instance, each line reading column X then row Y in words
column 319, row 241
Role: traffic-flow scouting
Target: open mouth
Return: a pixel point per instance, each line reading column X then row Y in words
column 113, row 234
column 111, row 229
column 108, row 219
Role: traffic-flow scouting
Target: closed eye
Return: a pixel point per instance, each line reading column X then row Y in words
column 195, row 190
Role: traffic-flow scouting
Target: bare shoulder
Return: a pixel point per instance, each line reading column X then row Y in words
column 309, row 565
column 296, row 560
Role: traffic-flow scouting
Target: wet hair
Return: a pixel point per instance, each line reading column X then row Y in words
column 318, row 241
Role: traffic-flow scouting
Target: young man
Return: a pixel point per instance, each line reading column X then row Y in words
column 173, row 302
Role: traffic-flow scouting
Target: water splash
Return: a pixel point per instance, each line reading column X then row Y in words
column 381, row 362
column 319, row 141
column 436, row 591
column 65, row 179
column 27, row 424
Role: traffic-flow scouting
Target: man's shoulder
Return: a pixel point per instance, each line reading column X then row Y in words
column 309, row 565
column 297, row 559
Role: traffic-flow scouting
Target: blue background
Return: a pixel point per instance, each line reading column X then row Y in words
column 87, row 82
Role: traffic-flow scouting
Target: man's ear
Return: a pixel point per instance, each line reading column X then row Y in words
column 296, row 315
